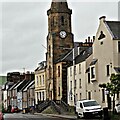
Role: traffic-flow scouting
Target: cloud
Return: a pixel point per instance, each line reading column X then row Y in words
column 24, row 29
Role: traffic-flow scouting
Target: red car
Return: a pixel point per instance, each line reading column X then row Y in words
column 14, row 109
column 1, row 116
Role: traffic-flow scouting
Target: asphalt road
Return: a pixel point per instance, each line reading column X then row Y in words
column 20, row 116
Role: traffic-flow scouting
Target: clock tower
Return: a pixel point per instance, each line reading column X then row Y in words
column 59, row 40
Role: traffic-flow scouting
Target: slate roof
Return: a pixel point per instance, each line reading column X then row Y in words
column 84, row 54
column 117, row 69
column 9, row 84
column 12, row 87
column 21, row 85
column 32, row 87
column 69, row 56
column 41, row 66
column 30, row 84
column 114, row 27
column 25, row 85
column 94, row 61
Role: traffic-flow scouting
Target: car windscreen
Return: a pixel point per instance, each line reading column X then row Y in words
column 90, row 103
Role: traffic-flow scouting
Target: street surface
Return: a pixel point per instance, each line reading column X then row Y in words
column 20, row 116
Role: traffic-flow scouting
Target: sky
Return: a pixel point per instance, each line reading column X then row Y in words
column 24, row 28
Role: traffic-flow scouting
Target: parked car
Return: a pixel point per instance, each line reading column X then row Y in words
column 14, row 109
column 88, row 108
column 117, row 108
column 1, row 116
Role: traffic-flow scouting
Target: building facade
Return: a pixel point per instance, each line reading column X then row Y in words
column 98, row 67
column 106, row 57
column 40, row 83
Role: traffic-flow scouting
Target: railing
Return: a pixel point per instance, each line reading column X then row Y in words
column 56, row 107
column 65, row 105
column 43, row 106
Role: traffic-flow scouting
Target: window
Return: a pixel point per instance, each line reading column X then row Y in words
column 62, row 20
column 43, row 95
column 92, row 72
column 75, row 84
column 81, row 105
column 88, row 77
column 71, row 85
column 71, row 90
column 102, row 35
column 89, row 95
column 80, row 96
column 49, row 51
column 40, row 96
column 75, row 70
column 53, row 21
column 58, row 91
column 37, row 80
column 71, row 97
column 43, row 80
column 119, row 47
column 101, row 42
column 70, row 71
column 108, row 70
column 37, row 96
column 58, row 71
column 80, row 83
column 103, row 95
column 40, row 80
column 79, row 68
column 76, row 97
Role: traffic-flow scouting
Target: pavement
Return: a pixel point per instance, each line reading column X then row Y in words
column 58, row 115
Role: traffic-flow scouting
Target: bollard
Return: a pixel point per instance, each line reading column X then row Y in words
column 106, row 114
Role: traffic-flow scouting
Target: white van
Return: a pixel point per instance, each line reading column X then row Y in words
column 88, row 108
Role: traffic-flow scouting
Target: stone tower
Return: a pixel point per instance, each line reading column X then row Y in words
column 59, row 40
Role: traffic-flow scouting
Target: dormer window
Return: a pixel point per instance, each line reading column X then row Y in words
column 92, row 72
column 93, row 69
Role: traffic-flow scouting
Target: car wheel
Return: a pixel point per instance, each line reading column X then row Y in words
column 78, row 115
column 116, row 111
column 84, row 116
column 101, row 116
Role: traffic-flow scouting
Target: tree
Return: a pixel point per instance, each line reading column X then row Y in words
column 113, row 87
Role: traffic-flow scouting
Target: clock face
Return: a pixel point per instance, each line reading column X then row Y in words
column 63, row 34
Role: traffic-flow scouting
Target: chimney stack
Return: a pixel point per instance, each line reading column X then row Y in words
column 93, row 38
column 88, row 39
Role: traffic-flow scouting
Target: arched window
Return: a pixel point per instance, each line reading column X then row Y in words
column 62, row 20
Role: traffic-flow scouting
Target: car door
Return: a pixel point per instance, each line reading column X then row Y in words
column 81, row 108
column 118, row 107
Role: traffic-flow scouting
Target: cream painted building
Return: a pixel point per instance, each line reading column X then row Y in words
column 77, row 77
column 106, row 58
column 40, row 82
column 98, row 67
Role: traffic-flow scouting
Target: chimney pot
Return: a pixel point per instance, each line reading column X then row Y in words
column 93, row 38
column 102, row 18
column 88, row 39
